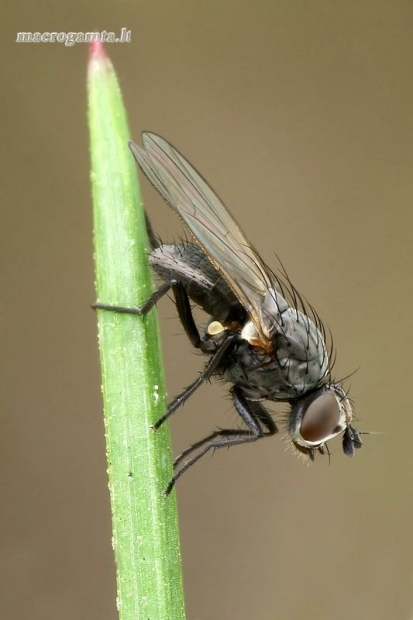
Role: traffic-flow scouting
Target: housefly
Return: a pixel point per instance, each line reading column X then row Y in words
column 262, row 337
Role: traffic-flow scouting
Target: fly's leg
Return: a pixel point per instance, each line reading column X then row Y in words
column 185, row 314
column 264, row 417
column 140, row 310
column 212, row 365
column 258, row 410
column 182, row 304
column 253, row 414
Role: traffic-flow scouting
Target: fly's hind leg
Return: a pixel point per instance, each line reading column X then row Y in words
column 181, row 297
column 258, row 420
column 140, row 310
column 182, row 304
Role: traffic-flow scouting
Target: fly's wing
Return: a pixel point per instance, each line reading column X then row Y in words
column 211, row 224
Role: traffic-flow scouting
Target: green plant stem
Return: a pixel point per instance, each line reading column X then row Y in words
column 145, row 532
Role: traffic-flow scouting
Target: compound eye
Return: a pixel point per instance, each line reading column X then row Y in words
column 321, row 419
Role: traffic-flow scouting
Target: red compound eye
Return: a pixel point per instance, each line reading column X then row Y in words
column 321, row 419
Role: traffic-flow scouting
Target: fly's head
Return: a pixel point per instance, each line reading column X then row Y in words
column 318, row 417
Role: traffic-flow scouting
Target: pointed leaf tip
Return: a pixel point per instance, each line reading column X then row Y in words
column 96, row 50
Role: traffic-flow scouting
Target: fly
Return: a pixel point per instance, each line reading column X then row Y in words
column 261, row 337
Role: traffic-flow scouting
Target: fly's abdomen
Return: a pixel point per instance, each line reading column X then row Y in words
column 203, row 283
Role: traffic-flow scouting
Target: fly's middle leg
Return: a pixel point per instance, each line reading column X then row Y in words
column 213, row 364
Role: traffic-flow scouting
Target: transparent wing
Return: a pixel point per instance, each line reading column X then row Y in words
column 210, row 223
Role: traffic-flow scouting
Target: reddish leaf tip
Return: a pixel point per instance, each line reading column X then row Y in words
column 97, row 50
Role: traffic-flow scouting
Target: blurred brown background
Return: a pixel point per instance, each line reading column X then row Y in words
column 300, row 115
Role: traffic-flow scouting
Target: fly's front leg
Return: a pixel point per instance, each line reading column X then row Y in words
column 255, row 417
column 257, row 410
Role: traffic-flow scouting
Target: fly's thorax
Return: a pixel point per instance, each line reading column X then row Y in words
column 318, row 417
column 295, row 342
column 273, row 308
column 215, row 328
column 215, row 334
column 301, row 351
column 249, row 333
